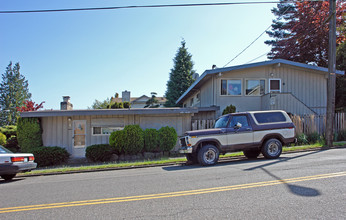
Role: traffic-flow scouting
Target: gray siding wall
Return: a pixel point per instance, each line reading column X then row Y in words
column 308, row 89
column 57, row 132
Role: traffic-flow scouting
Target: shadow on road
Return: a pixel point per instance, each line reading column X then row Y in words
column 2, row 181
column 295, row 189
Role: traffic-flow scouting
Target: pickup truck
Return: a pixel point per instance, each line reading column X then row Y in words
column 252, row 132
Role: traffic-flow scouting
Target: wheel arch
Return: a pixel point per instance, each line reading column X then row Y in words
column 204, row 142
column 271, row 136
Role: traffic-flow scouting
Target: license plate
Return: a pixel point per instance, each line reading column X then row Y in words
column 25, row 159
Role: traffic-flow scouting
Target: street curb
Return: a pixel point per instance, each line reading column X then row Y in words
column 222, row 160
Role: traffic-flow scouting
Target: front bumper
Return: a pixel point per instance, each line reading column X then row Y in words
column 185, row 150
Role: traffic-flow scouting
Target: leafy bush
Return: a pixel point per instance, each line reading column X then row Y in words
column 167, row 138
column 313, row 138
column 127, row 104
column 2, row 139
column 302, row 139
column 116, row 140
column 151, row 141
column 9, row 130
column 12, row 144
column 133, row 139
column 99, row 152
column 229, row 109
column 49, row 156
column 29, row 133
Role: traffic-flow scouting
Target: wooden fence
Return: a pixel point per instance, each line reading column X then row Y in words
column 306, row 124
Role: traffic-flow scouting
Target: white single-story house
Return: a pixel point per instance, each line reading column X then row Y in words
column 270, row 85
column 138, row 102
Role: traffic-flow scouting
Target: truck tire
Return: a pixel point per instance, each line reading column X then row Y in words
column 8, row 176
column 252, row 153
column 272, row 148
column 208, row 155
column 191, row 158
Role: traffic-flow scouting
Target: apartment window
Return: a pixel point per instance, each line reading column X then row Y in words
column 231, row 87
column 198, row 97
column 254, row 87
column 274, row 85
column 191, row 102
column 104, row 130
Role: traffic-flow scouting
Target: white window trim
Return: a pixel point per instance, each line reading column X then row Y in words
column 241, row 90
column 270, row 91
column 259, row 79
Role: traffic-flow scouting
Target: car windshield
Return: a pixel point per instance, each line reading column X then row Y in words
column 221, row 122
column 3, row 150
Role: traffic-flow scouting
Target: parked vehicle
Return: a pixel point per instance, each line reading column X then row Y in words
column 251, row 132
column 13, row 163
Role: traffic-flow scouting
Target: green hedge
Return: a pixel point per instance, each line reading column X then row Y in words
column 151, row 140
column 167, row 138
column 49, row 156
column 99, row 152
column 116, row 140
column 12, row 144
column 2, row 139
column 133, row 139
column 29, row 133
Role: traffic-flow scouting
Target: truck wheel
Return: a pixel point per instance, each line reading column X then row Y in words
column 208, row 155
column 252, row 153
column 191, row 158
column 8, row 176
column 272, row 148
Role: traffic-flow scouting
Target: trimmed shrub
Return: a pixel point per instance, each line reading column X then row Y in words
column 167, row 138
column 313, row 138
column 127, row 104
column 12, row 144
column 229, row 109
column 302, row 139
column 133, row 139
column 29, row 133
column 49, row 156
column 2, row 139
column 99, row 152
column 116, row 140
column 151, row 140
column 9, row 130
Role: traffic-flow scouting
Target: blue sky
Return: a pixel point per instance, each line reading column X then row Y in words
column 94, row 54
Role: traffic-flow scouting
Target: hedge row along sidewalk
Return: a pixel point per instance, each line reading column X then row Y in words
column 163, row 162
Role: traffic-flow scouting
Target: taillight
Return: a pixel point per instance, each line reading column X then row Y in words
column 17, row 159
column 31, row 158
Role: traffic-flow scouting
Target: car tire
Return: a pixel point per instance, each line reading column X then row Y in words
column 272, row 148
column 252, row 153
column 208, row 155
column 8, row 176
column 191, row 158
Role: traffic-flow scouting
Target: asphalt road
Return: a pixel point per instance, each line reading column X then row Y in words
column 307, row 185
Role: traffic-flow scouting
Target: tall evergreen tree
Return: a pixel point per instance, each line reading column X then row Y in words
column 180, row 77
column 13, row 92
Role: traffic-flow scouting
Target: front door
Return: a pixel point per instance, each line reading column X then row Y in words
column 79, row 138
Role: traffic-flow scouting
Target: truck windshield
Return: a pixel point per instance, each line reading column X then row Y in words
column 221, row 122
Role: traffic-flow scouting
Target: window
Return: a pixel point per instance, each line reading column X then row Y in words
column 191, row 102
column 231, row 87
column 242, row 119
column 221, row 122
column 198, row 97
column 104, row 130
column 270, row 117
column 254, row 87
column 274, row 85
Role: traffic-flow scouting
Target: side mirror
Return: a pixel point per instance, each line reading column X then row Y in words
column 238, row 125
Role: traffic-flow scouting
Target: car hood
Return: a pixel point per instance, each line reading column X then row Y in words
column 204, row 132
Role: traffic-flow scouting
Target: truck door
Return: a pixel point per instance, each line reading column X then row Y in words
column 239, row 133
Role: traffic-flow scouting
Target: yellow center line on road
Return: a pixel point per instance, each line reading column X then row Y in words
column 168, row 195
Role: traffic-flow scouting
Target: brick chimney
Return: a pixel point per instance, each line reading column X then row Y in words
column 66, row 104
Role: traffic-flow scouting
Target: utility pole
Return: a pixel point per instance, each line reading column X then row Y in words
column 331, row 74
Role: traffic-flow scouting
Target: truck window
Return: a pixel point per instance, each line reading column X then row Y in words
column 242, row 119
column 269, row 117
column 221, row 122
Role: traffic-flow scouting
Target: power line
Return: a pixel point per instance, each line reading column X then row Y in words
column 137, row 6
